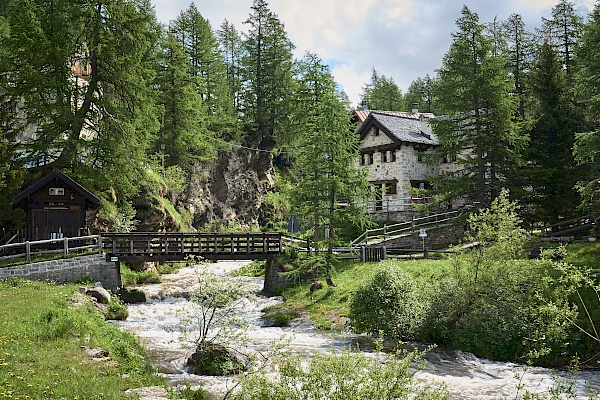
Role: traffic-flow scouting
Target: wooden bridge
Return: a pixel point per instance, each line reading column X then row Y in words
column 152, row 246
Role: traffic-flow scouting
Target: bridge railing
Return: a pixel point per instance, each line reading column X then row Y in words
column 150, row 245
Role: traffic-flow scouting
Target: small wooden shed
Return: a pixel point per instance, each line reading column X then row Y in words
column 56, row 207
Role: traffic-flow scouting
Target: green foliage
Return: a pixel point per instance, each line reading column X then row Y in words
column 113, row 218
column 255, row 269
column 131, row 296
column 325, row 155
column 117, row 310
column 478, row 128
column 280, row 317
column 587, row 87
column 388, row 303
column 551, row 172
column 497, row 230
column 216, row 320
column 188, row 393
column 382, row 93
column 131, row 277
column 267, row 75
column 346, row 375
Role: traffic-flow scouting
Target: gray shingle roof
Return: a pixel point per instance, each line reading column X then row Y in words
column 403, row 129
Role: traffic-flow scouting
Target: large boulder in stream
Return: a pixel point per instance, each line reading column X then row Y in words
column 216, row 360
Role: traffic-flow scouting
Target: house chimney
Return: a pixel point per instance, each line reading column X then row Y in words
column 365, row 105
column 415, row 108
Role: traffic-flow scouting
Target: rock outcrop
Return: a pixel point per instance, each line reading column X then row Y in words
column 230, row 191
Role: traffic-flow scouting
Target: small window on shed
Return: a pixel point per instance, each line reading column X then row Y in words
column 376, row 131
column 56, row 191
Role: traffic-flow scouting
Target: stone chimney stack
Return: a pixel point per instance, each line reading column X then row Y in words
column 365, row 105
column 415, row 108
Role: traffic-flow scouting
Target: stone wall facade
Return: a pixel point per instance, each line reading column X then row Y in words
column 68, row 270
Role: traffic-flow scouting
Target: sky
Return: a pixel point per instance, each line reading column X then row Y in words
column 401, row 39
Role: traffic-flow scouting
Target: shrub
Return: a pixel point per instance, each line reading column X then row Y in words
column 131, row 296
column 388, row 303
column 346, row 375
column 117, row 310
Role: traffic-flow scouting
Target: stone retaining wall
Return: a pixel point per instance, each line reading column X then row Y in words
column 436, row 238
column 68, row 270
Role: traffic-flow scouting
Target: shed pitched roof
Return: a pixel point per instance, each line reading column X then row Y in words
column 398, row 127
column 56, row 174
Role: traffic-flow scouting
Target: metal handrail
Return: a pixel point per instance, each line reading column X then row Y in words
column 395, row 230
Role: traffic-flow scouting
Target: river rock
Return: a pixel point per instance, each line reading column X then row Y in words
column 150, row 393
column 216, row 360
column 99, row 293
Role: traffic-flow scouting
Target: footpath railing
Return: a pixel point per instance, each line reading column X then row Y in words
column 152, row 246
column 569, row 227
column 378, row 235
column 40, row 248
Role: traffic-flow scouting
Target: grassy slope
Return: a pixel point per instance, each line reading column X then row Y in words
column 328, row 307
column 40, row 347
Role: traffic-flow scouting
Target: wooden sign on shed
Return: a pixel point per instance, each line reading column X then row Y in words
column 56, row 207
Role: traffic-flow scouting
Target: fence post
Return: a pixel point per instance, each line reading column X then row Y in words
column 66, row 246
column 28, row 251
column 363, row 255
column 383, row 253
column 99, row 244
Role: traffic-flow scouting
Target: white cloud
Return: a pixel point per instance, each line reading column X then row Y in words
column 402, row 39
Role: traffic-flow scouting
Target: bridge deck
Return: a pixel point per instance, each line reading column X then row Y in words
column 152, row 246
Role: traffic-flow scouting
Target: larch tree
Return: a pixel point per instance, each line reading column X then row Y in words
column 195, row 33
column 550, row 172
column 82, row 72
column 267, row 72
column 382, row 93
column 232, row 49
column 331, row 188
column 183, row 134
column 421, row 92
column 478, row 127
column 587, row 89
column 562, row 31
column 520, row 51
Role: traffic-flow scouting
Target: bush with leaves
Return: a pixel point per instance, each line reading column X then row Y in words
column 389, row 303
column 345, row 376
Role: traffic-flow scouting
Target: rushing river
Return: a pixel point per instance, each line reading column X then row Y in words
column 157, row 323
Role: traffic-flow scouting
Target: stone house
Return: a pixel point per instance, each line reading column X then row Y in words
column 393, row 149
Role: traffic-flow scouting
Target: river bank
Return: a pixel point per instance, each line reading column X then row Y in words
column 158, row 322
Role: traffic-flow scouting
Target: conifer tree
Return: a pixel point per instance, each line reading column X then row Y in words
column 82, row 70
column 550, row 171
column 207, row 65
column 519, row 52
column 587, row 79
column 232, row 49
column 421, row 92
column 562, row 31
column 325, row 157
column 473, row 92
column 382, row 93
column 183, row 134
column 267, row 66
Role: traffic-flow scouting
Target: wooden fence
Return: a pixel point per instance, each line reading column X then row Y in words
column 41, row 248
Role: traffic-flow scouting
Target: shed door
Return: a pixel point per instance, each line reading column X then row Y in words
column 54, row 224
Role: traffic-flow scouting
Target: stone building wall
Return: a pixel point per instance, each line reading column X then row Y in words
column 68, row 270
